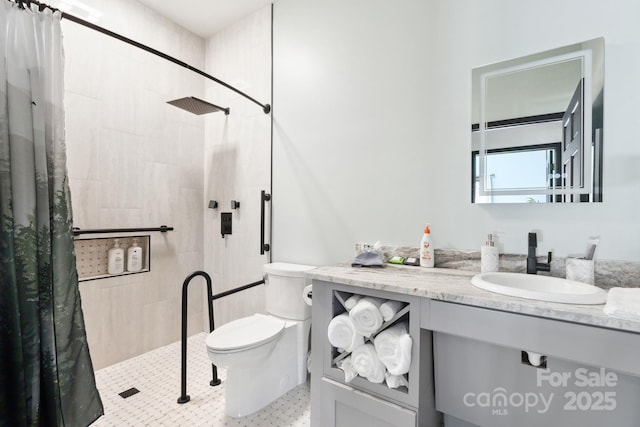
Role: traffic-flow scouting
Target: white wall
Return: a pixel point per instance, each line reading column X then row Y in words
column 237, row 161
column 372, row 114
column 135, row 161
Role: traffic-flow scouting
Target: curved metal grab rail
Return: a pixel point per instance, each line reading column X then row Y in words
column 184, row 397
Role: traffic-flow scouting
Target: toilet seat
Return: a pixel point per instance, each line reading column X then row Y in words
column 244, row 334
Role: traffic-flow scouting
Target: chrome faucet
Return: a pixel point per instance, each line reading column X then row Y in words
column 533, row 266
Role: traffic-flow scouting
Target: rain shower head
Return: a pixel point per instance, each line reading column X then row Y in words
column 197, row 106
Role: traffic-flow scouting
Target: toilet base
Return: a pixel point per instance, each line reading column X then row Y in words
column 251, row 387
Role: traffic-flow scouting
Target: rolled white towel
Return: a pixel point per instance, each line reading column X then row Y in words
column 348, row 369
column 366, row 316
column 342, row 334
column 366, row 363
column 390, row 308
column 393, row 346
column 623, row 303
column 352, row 301
column 395, row 381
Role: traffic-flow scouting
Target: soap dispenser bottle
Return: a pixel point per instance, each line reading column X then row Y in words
column 426, row 250
column 134, row 256
column 489, row 256
column 116, row 259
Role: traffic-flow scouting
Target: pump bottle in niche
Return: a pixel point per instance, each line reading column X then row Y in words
column 116, row 258
column 134, row 256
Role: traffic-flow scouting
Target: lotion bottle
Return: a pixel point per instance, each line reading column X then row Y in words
column 426, row 250
column 116, row 259
column 134, row 256
column 489, row 257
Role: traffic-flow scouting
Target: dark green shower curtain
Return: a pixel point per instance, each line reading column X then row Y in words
column 46, row 375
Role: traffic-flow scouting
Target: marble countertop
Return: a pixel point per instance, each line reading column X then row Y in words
column 452, row 285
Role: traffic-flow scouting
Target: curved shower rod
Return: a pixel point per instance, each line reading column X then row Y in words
column 265, row 107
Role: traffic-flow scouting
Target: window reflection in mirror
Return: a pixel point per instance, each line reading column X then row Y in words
column 537, row 127
column 518, row 168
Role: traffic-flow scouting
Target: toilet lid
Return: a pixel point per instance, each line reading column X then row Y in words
column 245, row 333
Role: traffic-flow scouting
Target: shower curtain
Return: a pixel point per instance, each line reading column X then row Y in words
column 46, row 375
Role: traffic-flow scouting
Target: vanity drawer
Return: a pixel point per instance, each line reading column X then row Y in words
column 590, row 345
column 344, row 406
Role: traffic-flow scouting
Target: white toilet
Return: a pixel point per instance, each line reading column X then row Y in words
column 265, row 355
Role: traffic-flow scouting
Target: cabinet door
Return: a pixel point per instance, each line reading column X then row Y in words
column 343, row 406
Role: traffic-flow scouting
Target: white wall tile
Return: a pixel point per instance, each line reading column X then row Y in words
column 237, row 161
column 136, row 161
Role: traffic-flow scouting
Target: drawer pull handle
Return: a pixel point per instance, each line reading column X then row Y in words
column 534, row 359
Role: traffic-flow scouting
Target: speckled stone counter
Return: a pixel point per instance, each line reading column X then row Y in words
column 453, row 285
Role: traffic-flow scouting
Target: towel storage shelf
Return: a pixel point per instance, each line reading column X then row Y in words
column 335, row 296
column 340, row 403
column 341, row 298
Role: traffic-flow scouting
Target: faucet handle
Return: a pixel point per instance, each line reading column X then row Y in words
column 533, row 240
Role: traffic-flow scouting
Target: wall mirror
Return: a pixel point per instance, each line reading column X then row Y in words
column 537, row 127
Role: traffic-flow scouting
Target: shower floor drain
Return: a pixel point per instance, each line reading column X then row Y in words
column 129, row 393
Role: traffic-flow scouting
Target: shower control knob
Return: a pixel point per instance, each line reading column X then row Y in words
column 234, row 204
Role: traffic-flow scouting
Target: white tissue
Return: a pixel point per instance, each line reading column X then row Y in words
column 348, row 369
column 393, row 346
column 351, row 301
column 390, row 308
column 623, row 303
column 395, row 381
column 366, row 316
column 342, row 334
column 366, row 363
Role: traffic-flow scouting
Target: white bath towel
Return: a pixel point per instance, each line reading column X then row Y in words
column 348, row 369
column 623, row 303
column 366, row 363
column 342, row 334
column 366, row 316
column 395, row 381
column 393, row 346
column 351, row 301
column 390, row 308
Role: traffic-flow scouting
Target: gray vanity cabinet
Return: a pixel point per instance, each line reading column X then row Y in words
column 360, row 402
column 590, row 376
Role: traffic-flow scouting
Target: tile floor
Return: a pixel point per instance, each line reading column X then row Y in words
column 157, row 375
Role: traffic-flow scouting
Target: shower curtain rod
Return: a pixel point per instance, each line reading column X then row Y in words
column 265, row 107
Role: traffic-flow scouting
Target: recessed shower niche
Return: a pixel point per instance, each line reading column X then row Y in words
column 92, row 255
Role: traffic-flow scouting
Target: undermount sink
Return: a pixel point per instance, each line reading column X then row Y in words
column 543, row 288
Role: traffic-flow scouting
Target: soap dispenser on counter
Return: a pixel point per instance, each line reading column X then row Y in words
column 489, row 256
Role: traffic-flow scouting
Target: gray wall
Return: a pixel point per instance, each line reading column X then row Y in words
column 371, row 124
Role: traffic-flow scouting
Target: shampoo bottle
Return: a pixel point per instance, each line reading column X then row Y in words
column 134, row 256
column 426, row 250
column 116, row 259
column 489, row 256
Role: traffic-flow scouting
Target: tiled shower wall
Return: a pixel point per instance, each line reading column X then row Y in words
column 135, row 161
column 238, row 161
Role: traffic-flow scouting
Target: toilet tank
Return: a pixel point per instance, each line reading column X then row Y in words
column 284, row 284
